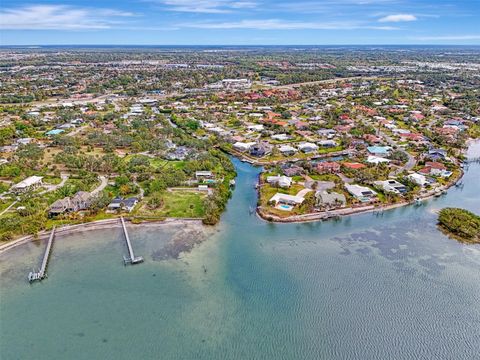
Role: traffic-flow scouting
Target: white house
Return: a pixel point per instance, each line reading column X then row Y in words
column 372, row 159
column 307, row 147
column 29, row 183
column 418, row 179
column 280, row 180
column 287, row 150
column 241, row 146
column 392, row 186
column 362, row 193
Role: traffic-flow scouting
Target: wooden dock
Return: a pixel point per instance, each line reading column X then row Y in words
column 132, row 259
column 42, row 273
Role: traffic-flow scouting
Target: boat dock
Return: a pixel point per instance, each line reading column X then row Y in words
column 41, row 274
column 132, row 259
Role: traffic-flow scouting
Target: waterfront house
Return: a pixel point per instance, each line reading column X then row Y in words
column 280, row 181
column 361, row 193
column 241, row 146
column 419, row 179
column 330, row 200
column 285, row 201
column 434, row 168
column 392, row 186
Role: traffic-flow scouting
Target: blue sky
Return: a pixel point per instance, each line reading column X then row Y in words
column 239, row 22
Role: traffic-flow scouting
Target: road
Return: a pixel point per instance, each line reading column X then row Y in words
column 103, row 185
column 8, row 208
column 50, row 188
column 411, row 162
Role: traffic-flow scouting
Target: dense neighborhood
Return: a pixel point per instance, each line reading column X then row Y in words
column 153, row 138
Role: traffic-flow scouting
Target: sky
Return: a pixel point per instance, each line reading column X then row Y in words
column 239, row 22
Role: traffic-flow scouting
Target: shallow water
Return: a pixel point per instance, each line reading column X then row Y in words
column 364, row 287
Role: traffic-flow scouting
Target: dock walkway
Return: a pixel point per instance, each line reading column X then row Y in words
column 132, row 259
column 42, row 273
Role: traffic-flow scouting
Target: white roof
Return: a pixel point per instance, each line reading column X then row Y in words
column 32, row 180
column 377, row 160
column 287, row 198
column 358, row 191
column 286, row 148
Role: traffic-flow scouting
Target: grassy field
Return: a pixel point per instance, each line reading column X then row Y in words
column 176, row 204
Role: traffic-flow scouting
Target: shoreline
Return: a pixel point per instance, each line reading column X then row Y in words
column 89, row 226
column 327, row 215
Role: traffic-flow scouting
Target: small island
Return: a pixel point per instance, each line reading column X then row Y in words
column 460, row 223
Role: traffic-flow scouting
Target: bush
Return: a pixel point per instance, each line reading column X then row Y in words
column 460, row 222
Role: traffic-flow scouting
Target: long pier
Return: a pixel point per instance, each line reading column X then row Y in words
column 132, row 259
column 42, row 273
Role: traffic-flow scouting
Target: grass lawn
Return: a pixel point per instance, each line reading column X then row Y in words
column 53, row 180
column 176, row 204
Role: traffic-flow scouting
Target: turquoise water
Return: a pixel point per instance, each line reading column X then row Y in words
column 364, row 287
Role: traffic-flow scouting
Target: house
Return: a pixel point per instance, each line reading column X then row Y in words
column 287, row 150
column 327, row 143
column 285, row 202
column 372, row 139
column 435, row 169
column 260, row 150
column 437, row 154
column 392, row 186
column 129, row 204
column 281, row 137
column 280, row 181
column 330, row 200
column 328, row 167
column 419, row 179
column 307, row 147
column 377, row 160
column 200, row 175
column 379, row 150
column 24, row 141
column 241, row 146
column 29, row 183
column 362, row 193
column 59, row 207
column 292, row 171
column 54, row 132
column 82, row 200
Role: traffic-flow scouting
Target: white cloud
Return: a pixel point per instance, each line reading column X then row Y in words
column 58, row 17
column 276, row 24
column 206, row 6
column 398, row 18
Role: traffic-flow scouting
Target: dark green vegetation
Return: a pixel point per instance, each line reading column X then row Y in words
column 461, row 223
